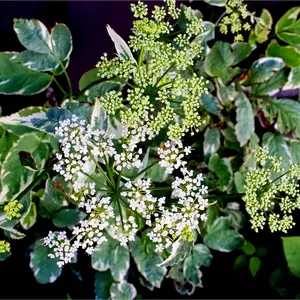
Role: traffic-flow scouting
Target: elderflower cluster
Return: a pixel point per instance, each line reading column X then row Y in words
column 182, row 219
column 161, row 92
column 236, row 13
column 114, row 205
column 12, row 209
column 4, row 246
column 271, row 194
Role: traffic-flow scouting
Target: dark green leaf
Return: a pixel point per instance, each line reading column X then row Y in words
column 240, row 50
column 211, row 142
column 240, row 262
column 254, row 265
column 45, row 269
column 19, row 80
column 33, row 35
column 265, row 68
column 147, row 260
column 29, row 218
column 291, row 247
column 222, row 168
column 66, row 217
column 245, row 119
column 239, row 181
column 295, row 152
column 103, row 282
column 278, row 147
column 211, row 104
column 89, row 78
column 248, row 248
column 61, row 41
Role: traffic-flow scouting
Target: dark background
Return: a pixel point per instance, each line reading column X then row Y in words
column 87, row 20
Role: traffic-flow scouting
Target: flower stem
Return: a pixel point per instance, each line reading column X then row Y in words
column 149, row 167
column 95, row 179
column 60, row 87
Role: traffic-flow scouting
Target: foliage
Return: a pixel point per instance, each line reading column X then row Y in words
column 137, row 167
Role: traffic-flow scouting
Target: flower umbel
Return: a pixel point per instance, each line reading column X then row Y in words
column 12, row 209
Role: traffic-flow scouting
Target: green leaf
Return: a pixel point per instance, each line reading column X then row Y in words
column 36, row 61
column 293, row 79
column 225, row 94
column 6, row 141
column 67, row 217
column 262, row 28
column 61, row 41
column 241, row 50
column 89, row 78
column 211, row 104
column 103, row 282
column 211, row 142
column 295, row 152
column 265, row 68
column 110, row 255
column 245, row 119
column 278, row 147
column 82, row 110
column 218, row 60
column 120, row 45
column 176, row 272
column 222, row 168
column 271, row 86
column 248, row 248
column 254, row 265
column 122, row 290
column 220, row 237
column 147, row 260
column 224, row 241
column 99, row 118
column 291, row 246
column 290, row 54
column 33, row 35
column 156, row 173
column 180, row 250
column 200, row 256
column 101, row 88
column 19, row 80
column 45, row 121
column 14, row 177
column 54, row 197
column 45, row 269
column 234, row 214
column 287, row 112
column 216, row 2
column 288, row 27
column 4, row 256
column 13, row 233
column 239, row 181
column 29, row 218
column 240, row 262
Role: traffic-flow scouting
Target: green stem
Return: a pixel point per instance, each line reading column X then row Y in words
column 60, row 87
column 120, row 210
column 149, row 167
column 123, row 200
column 99, row 167
column 164, row 74
column 109, row 171
column 266, row 186
column 163, row 188
column 95, row 179
column 140, row 60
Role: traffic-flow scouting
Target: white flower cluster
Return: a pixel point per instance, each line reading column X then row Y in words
column 62, row 249
column 183, row 217
column 81, row 144
column 79, row 141
column 171, row 155
column 124, row 230
column 140, row 199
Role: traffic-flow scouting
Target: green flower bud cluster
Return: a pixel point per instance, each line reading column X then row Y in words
column 4, row 246
column 236, row 13
column 12, row 209
column 271, row 194
column 111, row 102
column 160, row 76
